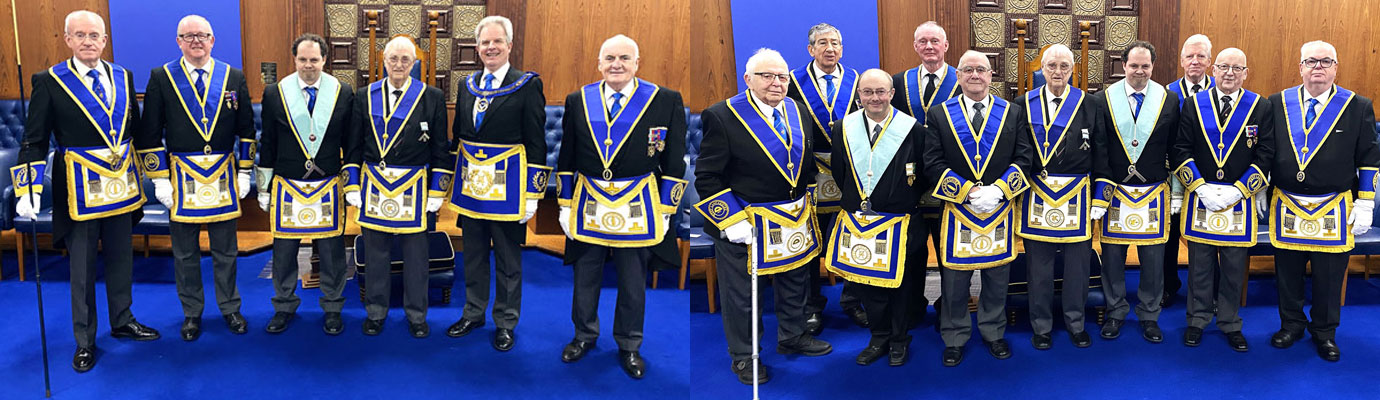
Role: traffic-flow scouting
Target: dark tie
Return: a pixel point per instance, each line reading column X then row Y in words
column 1225, row 111
column 479, row 116
column 617, row 105
column 1054, row 111
column 1140, row 99
column 876, row 132
column 393, row 101
column 929, row 86
column 829, row 88
column 780, row 125
column 311, row 99
column 1197, row 88
column 96, row 85
column 976, row 123
column 200, row 82
column 1312, row 113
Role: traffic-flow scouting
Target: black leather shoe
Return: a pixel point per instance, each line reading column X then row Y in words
column 1167, row 299
column 463, row 327
column 1284, row 338
column 575, row 350
column 1237, row 341
column 373, row 327
column 858, row 316
column 1327, row 349
column 1111, row 329
column 805, row 344
column 419, row 331
column 899, row 354
column 1150, row 330
column 743, row 368
column 85, row 359
column 1041, row 342
column 279, row 322
column 953, row 356
column 1193, row 337
column 999, row 349
column 191, row 328
column 872, row 353
column 1081, row 340
column 632, row 364
column 814, row 324
column 236, row 323
column 503, row 339
column 135, row 330
column 333, row 325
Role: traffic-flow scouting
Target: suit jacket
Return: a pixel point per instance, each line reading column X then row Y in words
column 579, row 154
column 411, row 150
column 53, row 113
column 515, row 118
column 279, row 149
column 943, row 150
column 1350, row 146
column 1242, row 153
column 894, row 192
column 731, row 159
column 1155, row 163
column 166, row 120
column 1069, row 155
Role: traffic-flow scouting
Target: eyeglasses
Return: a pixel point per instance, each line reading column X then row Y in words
column 82, row 36
column 396, row 60
column 1232, row 68
column 194, row 37
column 974, row 70
column 871, row 92
column 783, row 78
column 1059, row 67
column 1316, row 63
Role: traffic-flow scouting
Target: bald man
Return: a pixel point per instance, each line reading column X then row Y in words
column 199, row 108
column 879, row 149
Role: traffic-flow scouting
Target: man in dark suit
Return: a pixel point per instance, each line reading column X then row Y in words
column 400, row 131
column 978, row 179
column 63, row 97
column 757, row 152
column 500, row 140
column 635, row 130
column 1195, row 56
column 1068, row 156
column 1326, row 138
column 1225, row 137
column 307, row 117
column 827, row 89
column 199, row 108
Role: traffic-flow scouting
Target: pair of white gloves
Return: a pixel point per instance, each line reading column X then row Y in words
column 564, row 219
column 986, row 199
column 163, row 190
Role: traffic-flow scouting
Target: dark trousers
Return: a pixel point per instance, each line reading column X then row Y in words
column 888, row 309
column 955, row 322
column 1329, row 270
column 378, row 267
column 186, row 249
column 1215, row 272
column 1172, row 283
column 332, row 253
column 629, row 308
column 848, row 299
column 1041, row 283
column 735, row 295
column 1114, row 281
column 504, row 239
column 918, row 303
column 113, row 234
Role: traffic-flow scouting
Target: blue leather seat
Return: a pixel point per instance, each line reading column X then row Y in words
column 1017, row 291
column 440, row 272
column 696, row 248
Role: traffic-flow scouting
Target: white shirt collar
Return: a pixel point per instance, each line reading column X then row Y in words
column 766, row 110
column 391, row 88
column 498, row 75
column 939, row 75
column 82, row 68
column 1327, row 95
column 968, row 103
column 1234, row 96
column 1189, row 82
column 819, row 73
column 607, row 92
column 876, row 122
column 1049, row 94
column 209, row 67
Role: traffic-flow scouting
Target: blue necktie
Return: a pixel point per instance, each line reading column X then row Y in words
column 479, row 116
column 311, row 99
column 1140, row 99
column 780, row 125
column 96, row 86
column 200, row 82
column 1312, row 113
column 829, row 88
column 617, row 105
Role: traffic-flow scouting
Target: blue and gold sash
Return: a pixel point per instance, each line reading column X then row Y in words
column 866, row 157
column 609, row 136
column 1233, row 227
column 976, row 241
column 1305, row 140
column 1048, row 135
column 309, row 126
column 785, row 149
column 1132, row 131
column 1181, row 89
column 826, row 111
column 1311, row 223
column 307, row 209
column 785, row 235
column 915, row 91
column 1137, row 214
column 204, row 188
column 977, row 150
column 109, row 119
column 869, row 249
column 493, row 181
column 97, row 188
column 1057, row 212
column 394, row 199
column 387, row 126
column 1221, row 135
column 623, row 212
column 202, row 109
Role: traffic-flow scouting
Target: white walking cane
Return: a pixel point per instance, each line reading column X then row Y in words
column 756, row 315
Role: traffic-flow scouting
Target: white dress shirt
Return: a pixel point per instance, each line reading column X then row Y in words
column 823, row 84
column 105, row 80
column 498, row 81
column 1322, row 100
column 1052, row 109
column 767, row 111
column 607, row 93
column 1217, row 99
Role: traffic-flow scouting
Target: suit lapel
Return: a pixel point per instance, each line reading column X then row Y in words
column 513, row 74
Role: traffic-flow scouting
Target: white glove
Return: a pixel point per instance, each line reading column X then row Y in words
column 989, row 198
column 564, row 219
column 243, row 182
column 1229, row 195
column 263, row 201
column 1097, row 212
column 162, row 190
column 1208, row 196
column 740, row 233
column 27, row 206
column 666, row 222
column 352, row 198
column 1362, row 212
column 433, row 204
column 1176, row 203
column 531, row 210
column 1262, row 205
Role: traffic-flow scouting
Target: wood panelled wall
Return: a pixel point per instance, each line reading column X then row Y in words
column 1271, row 37
column 41, row 39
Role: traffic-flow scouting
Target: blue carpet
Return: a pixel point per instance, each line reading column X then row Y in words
column 305, row 363
column 1128, row 367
